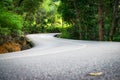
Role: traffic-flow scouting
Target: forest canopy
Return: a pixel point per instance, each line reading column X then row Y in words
column 75, row 19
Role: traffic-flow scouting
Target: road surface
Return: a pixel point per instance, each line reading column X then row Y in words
column 62, row 59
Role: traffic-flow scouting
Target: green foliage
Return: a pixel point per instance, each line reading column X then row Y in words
column 4, row 31
column 70, row 32
column 65, row 34
column 31, row 5
column 116, row 38
column 45, row 19
column 82, row 15
column 77, row 19
column 10, row 23
column 53, row 29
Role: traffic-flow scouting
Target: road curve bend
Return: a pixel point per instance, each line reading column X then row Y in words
column 54, row 58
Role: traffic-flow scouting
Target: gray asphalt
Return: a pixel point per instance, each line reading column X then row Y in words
column 62, row 59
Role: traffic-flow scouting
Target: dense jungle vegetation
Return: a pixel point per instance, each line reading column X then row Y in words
column 75, row 19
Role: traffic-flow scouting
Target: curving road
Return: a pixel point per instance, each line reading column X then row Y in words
column 61, row 59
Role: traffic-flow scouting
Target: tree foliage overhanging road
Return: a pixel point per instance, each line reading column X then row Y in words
column 76, row 19
column 94, row 20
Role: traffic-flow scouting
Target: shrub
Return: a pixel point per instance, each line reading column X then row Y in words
column 69, row 33
column 10, row 23
column 53, row 29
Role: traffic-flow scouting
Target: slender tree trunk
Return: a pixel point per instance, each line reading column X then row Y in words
column 20, row 2
column 86, row 32
column 78, row 21
column 62, row 24
column 115, row 19
column 100, row 20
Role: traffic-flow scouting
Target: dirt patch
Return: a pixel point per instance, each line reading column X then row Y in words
column 3, row 49
column 15, row 45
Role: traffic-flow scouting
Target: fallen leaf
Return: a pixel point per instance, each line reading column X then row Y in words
column 96, row 73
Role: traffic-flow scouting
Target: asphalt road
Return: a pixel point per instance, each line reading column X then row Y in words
column 61, row 59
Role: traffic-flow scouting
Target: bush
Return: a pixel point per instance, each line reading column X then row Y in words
column 53, row 29
column 10, row 23
column 65, row 34
column 70, row 33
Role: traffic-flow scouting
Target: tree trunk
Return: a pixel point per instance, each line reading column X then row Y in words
column 20, row 2
column 115, row 19
column 100, row 20
column 78, row 21
column 62, row 24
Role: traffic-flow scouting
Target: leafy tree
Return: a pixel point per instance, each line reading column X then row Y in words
column 28, row 9
column 77, row 16
column 10, row 23
column 91, row 19
column 45, row 19
column 31, row 6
